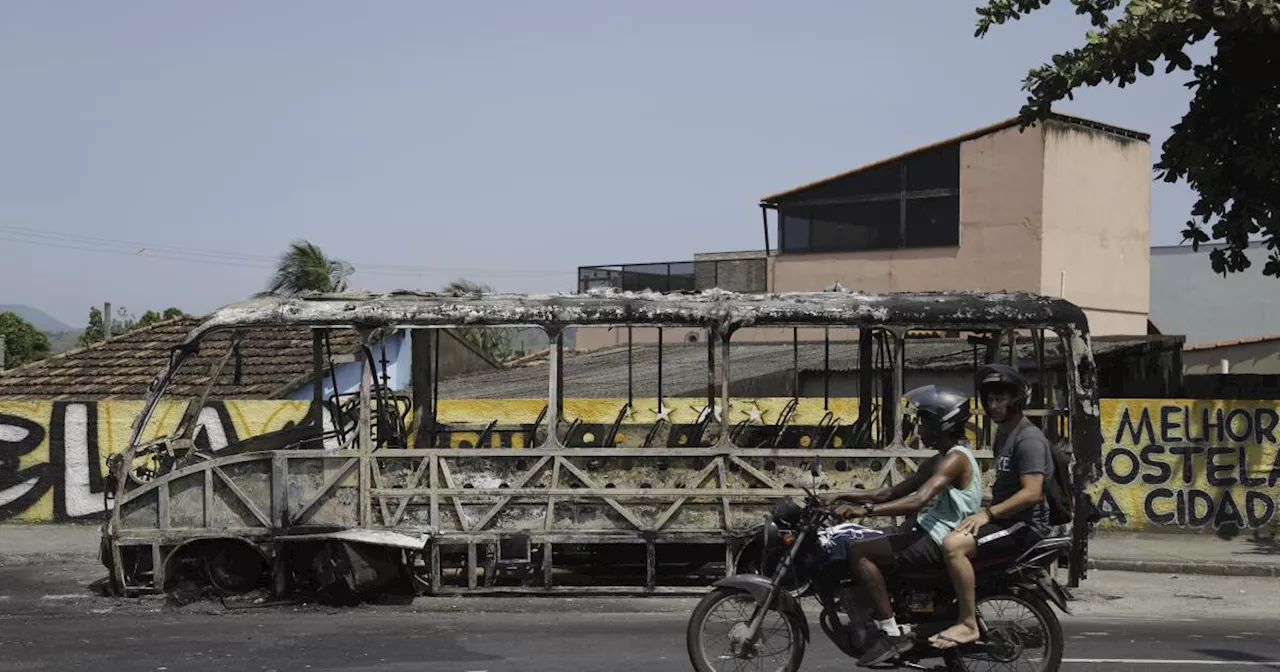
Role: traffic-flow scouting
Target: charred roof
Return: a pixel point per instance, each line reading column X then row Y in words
column 715, row 309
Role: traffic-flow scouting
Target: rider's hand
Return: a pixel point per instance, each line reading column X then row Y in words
column 971, row 524
column 846, row 511
column 829, row 498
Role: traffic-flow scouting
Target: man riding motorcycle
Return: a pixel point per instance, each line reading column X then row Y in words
column 944, row 491
column 1018, row 516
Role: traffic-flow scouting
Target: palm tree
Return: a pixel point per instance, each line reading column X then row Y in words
column 464, row 286
column 495, row 343
column 305, row 268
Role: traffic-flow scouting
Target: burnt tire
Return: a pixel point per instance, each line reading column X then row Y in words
column 235, row 569
column 696, row 630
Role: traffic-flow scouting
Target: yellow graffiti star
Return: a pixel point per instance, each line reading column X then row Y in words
column 702, row 412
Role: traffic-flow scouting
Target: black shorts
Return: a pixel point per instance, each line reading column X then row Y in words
column 1003, row 537
column 914, row 549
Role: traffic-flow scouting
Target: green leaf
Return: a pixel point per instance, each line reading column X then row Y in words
column 1272, row 267
column 1223, row 147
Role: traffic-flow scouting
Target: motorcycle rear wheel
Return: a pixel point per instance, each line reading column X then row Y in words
column 1049, row 625
column 696, row 635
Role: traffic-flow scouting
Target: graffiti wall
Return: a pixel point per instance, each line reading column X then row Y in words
column 53, row 455
column 1174, row 463
column 1167, row 463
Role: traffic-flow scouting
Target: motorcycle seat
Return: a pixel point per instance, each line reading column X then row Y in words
column 1041, row 549
column 980, row 565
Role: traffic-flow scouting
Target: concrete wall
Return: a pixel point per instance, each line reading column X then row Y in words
column 1096, row 232
column 1255, row 358
column 53, row 454
column 733, row 271
column 1169, row 464
column 1173, row 464
column 1187, row 297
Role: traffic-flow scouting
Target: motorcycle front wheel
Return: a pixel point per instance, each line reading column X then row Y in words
column 748, row 562
column 718, row 623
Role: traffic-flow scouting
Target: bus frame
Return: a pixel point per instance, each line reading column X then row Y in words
column 289, row 481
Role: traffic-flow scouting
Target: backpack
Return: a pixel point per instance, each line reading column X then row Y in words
column 1059, row 490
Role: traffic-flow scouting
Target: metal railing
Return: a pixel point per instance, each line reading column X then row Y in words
column 736, row 275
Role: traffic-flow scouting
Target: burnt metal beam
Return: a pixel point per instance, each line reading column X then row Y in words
column 866, row 374
column 764, row 220
column 421, row 375
column 317, row 379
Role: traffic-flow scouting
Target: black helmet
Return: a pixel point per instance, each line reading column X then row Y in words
column 940, row 409
column 1002, row 375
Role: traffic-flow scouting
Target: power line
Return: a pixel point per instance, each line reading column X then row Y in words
column 66, row 246
column 224, row 258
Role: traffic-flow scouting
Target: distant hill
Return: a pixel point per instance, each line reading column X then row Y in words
column 42, row 320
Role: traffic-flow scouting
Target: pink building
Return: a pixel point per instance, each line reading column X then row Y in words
column 1062, row 208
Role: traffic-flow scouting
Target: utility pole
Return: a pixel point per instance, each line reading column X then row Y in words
column 2, row 346
column 106, row 320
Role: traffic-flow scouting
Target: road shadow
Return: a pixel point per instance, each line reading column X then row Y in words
column 1260, row 541
column 1233, row 656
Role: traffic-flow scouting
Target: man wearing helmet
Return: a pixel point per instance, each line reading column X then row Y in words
column 1019, row 513
column 946, row 489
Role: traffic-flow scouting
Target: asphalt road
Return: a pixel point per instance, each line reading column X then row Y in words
column 44, row 629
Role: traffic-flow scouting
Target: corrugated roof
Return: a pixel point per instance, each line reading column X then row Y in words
column 603, row 373
column 273, row 361
column 970, row 135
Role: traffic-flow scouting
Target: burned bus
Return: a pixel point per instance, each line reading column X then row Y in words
column 644, row 465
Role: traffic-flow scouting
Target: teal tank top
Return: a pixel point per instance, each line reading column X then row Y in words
column 954, row 504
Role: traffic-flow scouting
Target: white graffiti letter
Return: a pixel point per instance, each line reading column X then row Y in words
column 212, row 423
column 80, row 501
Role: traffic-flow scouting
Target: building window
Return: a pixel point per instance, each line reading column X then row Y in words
column 857, row 226
column 933, row 222
column 795, row 233
column 910, row 203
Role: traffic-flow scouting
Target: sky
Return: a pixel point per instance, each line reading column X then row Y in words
column 162, row 154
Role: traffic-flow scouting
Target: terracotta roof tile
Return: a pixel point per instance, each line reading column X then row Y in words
column 273, row 361
column 1239, row 341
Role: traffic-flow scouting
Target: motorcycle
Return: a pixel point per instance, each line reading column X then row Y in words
column 805, row 552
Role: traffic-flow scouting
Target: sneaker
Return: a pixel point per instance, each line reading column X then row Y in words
column 884, row 648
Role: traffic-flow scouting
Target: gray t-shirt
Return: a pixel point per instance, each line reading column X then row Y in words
column 1031, row 455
